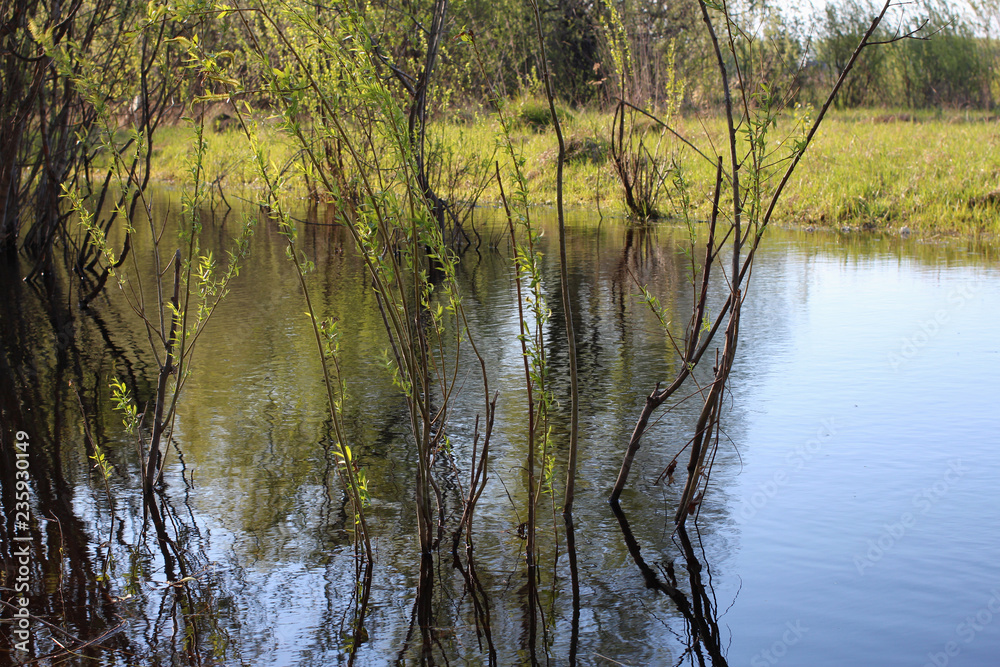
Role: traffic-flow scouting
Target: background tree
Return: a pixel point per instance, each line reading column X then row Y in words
column 950, row 66
column 951, row 69
column 65, row 65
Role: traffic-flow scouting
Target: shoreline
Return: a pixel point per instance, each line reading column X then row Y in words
column 922, row 175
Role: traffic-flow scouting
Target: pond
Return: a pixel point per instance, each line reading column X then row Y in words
column 851, row 517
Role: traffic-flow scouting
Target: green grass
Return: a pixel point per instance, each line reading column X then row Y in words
column 933, row 172
column 227, row 157
column 940, row 175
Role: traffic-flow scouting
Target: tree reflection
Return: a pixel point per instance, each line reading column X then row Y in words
column 697, row 607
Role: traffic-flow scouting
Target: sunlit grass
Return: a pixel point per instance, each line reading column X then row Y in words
column 933, row 172
column 937, row 175
column 227, row 161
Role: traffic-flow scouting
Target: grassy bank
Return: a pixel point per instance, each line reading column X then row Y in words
column 932, row 173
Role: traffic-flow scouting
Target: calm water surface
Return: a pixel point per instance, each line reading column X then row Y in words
column 852, row 518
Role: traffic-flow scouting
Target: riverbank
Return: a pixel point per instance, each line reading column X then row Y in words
column 930, row 173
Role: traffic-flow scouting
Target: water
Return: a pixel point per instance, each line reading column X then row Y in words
column 865, row 504
column 851, row 518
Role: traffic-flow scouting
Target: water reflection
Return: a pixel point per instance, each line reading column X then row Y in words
column 698, row 607
column 260, row 567
column 79, row 540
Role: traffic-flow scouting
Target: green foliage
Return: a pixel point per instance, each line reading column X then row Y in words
column 653, row 54
column 177, row 300
column 618, row 45
column 535, row 114
column 843, row 27
column 949, row 66
column 952, row 68
column 122, row 399
column 334, row 71
column 642, row 151
column 345, row 460
column 101, row 463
